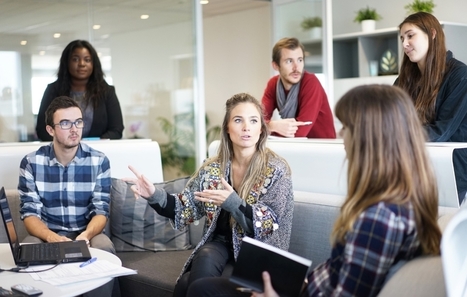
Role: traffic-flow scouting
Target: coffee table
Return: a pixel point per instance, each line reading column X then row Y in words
column 7, row 279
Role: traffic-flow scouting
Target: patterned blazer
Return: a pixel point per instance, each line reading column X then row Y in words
column 271, row 201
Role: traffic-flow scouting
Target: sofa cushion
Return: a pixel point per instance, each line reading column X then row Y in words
column 135, row 226
column 422, row 276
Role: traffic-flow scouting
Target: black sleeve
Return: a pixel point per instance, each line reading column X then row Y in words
column 247, row 211
column 169, row 210
column 114, row 116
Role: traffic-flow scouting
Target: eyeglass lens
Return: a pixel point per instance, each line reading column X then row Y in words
column 68, row 124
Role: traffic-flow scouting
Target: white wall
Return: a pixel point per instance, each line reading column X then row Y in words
column 144, row 72
column 237, row 55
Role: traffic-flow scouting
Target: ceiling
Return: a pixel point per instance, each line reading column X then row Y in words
column 36, row 21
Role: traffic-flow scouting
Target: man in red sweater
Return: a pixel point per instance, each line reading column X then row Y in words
column 297, row 95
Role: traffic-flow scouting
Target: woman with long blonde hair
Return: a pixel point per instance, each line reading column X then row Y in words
column 246, row 190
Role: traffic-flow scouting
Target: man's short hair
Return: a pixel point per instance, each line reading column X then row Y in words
column 60, row 102
column 288, row 43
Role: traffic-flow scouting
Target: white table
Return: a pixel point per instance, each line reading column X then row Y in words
column 7, row 279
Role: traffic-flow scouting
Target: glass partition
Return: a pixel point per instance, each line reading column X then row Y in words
column 302, row 19
column 309, row 21
column 147, row 50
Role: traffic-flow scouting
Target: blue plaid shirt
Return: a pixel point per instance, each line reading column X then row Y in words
column 382, row 235
column 64, row 197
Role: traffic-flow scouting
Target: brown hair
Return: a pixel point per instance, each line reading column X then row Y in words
column 424, row 87
column 61, row 102
column 288, row 43
column 387, row 160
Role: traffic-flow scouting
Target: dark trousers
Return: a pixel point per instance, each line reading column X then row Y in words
column 214, row 287
column 210, row 261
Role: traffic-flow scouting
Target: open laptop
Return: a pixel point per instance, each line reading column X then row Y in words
column 40, row 253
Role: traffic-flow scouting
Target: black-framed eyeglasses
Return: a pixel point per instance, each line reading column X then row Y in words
column 66, row 125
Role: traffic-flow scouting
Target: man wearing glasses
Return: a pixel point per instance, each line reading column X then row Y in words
column 64, row 187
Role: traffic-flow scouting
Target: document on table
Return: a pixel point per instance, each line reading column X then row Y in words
column 71, row 273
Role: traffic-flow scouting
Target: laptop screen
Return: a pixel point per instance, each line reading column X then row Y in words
column 8, row 222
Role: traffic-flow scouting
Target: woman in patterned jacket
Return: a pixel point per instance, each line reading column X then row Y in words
column 246, row 190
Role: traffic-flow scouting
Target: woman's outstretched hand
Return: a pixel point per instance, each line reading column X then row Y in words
column 142, row 187
column 268, row 289
column 216, row 197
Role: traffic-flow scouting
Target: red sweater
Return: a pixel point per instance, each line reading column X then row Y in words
column 313, row 106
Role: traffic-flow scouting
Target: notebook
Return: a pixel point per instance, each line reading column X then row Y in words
column 40, row 253
column 288, row 271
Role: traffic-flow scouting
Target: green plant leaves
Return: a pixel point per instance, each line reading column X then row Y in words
column 420, row 6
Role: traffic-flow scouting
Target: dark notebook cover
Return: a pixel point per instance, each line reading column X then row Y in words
column 288, row 271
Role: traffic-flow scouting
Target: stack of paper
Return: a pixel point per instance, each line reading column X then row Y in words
column 71, row 273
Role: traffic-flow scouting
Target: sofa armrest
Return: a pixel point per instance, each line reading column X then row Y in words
column 420, row 277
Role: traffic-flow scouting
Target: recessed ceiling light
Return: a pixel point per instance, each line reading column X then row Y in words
column 204, row 1
column 23, row 42
column 57, row 35
column 42, row 53
column 96, row 27
column 144, row 16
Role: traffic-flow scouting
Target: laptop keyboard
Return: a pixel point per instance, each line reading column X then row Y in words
column 44, row 251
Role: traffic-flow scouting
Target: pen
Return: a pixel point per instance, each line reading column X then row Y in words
column 88, row 262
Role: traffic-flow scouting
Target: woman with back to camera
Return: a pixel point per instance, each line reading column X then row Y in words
column 437, row 83
column 246, row 190
column 391, row 207
column 80, row 77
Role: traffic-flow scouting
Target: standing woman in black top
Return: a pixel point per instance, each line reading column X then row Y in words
column 437, row 83
column 80, row 77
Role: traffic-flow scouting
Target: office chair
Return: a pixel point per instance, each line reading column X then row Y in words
column 454, row 255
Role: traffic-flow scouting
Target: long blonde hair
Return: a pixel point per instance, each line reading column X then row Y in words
column 259, row 160
column 387, row 160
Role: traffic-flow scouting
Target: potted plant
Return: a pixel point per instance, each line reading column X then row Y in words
column 367, row 17
column 417, row 6
column 313, row 25
column 178, row 154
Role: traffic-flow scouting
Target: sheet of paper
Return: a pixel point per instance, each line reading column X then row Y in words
column 71, row 273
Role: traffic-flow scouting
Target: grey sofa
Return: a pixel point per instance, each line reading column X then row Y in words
column 314, row 215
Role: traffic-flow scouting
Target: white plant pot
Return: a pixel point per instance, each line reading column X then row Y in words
column 315, row 33
column 368, row 25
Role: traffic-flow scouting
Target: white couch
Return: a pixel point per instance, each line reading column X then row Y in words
column 143, row 154
column 319, row 166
